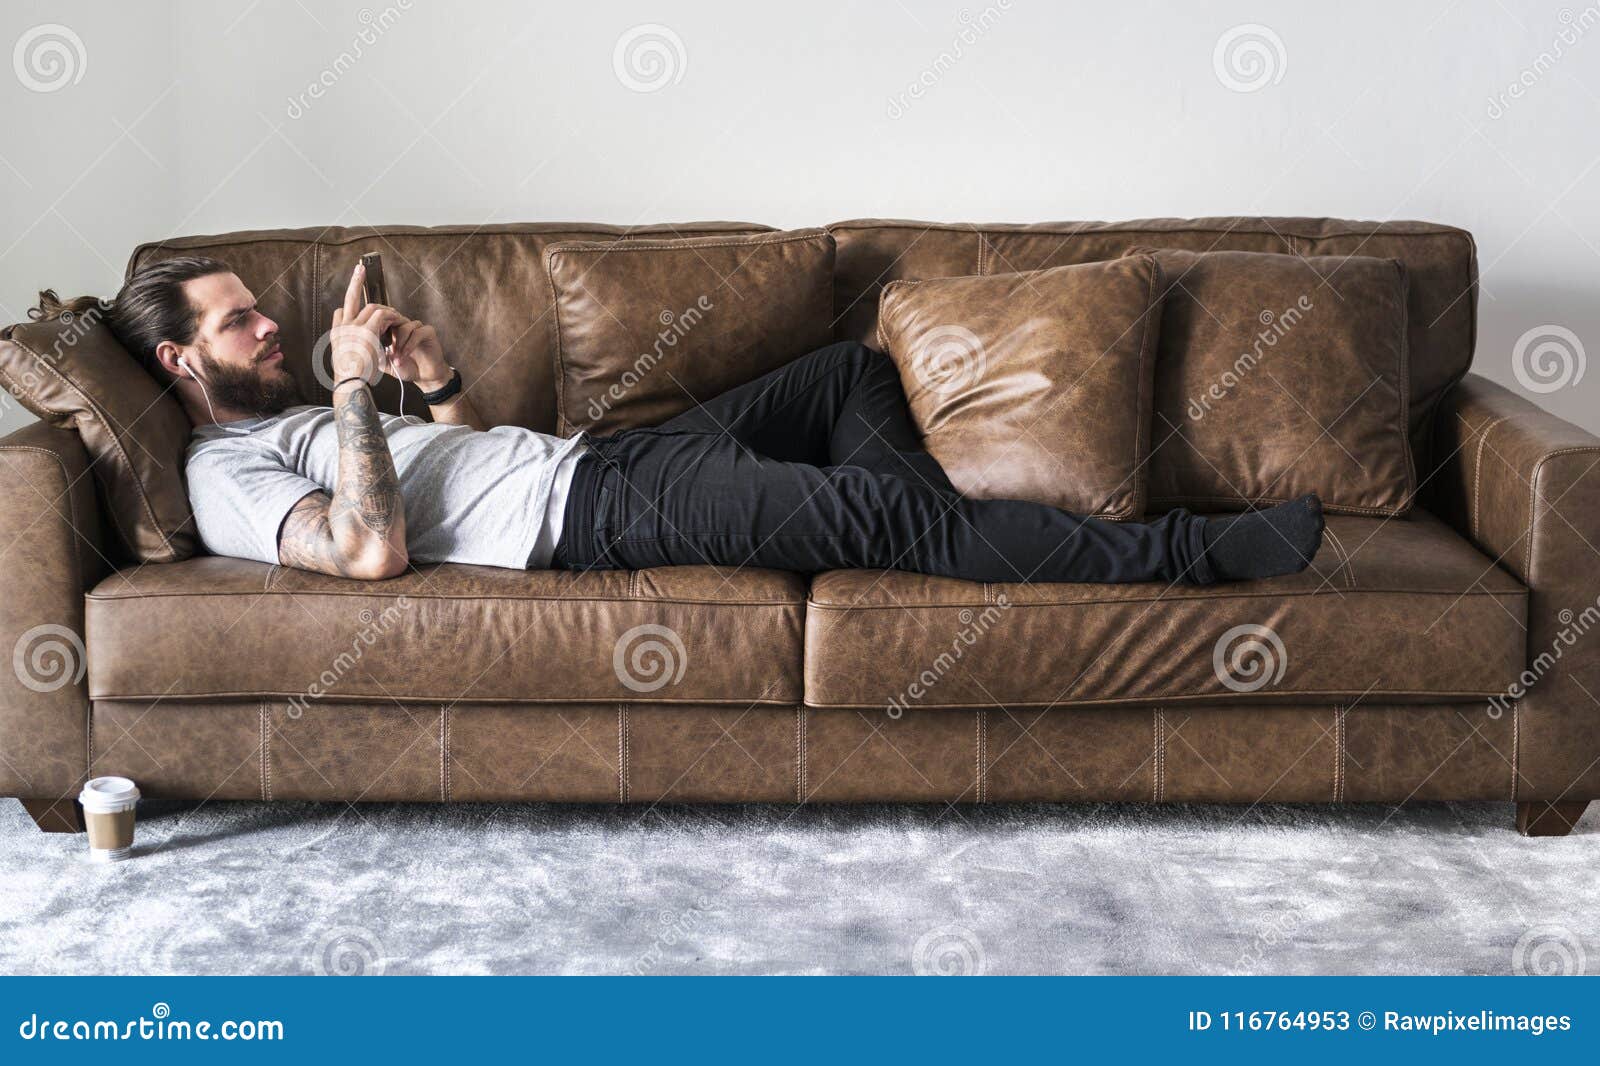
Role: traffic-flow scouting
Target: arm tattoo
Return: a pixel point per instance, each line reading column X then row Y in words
column 306, row 541
column 366, row 502
column 367, row 487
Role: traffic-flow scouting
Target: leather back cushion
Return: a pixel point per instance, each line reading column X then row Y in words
column 643, row 330
column 1441, row 265
column 71, row 371
column 1280, row 375
column 1033, row 386
column 483, row 287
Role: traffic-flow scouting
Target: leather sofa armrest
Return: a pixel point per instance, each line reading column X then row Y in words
column 51, row 550
column 1524, row 486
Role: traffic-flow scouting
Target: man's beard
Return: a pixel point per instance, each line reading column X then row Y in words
column 247, row 389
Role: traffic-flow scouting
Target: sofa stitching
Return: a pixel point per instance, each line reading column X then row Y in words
column 1427, row 230
column 1330, row 508
column 444, row 792
column 817, row 605
column 805, row 761
column 674, row 244
column 983, row 248
column 799, row 714
column 1477, row 471
column 977, row 754
column 1533, row 496
column 266, row 750
column 1155, row 755
column 1516, row 740
column 1147, row 356
column 1338, row 754
column 562, row 423
column 555, row 230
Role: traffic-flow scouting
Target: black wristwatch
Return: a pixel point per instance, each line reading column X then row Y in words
column 449, row 389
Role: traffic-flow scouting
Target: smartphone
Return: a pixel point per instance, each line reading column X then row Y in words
column 376, row 292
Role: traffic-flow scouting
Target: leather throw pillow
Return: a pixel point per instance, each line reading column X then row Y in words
column 645, row 329
column 1033, row 386
column 1280, row 375
column 68, row 368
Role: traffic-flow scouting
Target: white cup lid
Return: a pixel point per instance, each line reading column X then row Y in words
column 108, row 792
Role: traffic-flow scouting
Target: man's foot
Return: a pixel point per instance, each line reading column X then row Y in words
column 1280, row 540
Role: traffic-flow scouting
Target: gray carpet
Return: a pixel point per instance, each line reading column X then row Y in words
column 307, row 888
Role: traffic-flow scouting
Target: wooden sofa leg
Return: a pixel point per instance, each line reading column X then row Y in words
column 1541, row 819
column 56, row 816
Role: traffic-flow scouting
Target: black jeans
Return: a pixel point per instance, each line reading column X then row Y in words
column 817, row 466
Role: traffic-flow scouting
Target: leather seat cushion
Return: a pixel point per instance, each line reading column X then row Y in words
column 1033, row 386
column 1392, row 610
column 215, row 627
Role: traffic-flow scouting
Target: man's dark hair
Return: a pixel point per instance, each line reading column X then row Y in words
column 152, row 307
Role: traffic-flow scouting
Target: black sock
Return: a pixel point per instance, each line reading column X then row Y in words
column 1280, row 540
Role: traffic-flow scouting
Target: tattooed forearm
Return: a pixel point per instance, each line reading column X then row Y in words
column 306, row 541
column 367, row 490
column 360, row 531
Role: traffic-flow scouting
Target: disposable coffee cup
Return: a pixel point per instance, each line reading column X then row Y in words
column 108, row 807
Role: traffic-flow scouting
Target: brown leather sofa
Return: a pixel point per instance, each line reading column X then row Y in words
column 1442, row 655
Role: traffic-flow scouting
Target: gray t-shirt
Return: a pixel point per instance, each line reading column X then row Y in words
column 495, row 498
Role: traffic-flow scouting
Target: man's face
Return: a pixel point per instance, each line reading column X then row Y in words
column 241, row 364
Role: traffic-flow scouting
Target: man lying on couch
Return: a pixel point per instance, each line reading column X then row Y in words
column 815, row 466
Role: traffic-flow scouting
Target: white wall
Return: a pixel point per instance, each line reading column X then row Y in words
column 794, row 115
